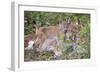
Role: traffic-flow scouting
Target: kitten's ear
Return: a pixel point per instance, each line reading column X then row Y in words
column 60, row 24
column 78, row 21
column 68, row 20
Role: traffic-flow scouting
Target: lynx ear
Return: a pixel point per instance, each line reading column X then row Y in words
column 78, row 21
column 60, row 25
column 69, row 20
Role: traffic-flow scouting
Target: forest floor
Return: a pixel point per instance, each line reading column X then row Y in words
column 68, row 54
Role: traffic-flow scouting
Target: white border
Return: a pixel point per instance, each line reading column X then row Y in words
column 18, row 35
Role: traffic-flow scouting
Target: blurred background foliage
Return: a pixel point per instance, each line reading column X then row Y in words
column 53, row 18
